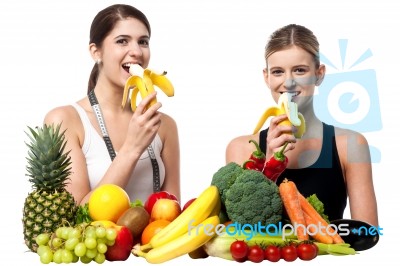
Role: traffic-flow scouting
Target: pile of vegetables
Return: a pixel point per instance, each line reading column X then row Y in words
column 220, row 246
column 302, row 213
column 289, row 252
column 247, row 197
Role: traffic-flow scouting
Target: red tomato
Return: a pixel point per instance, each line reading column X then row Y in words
column 239, row 250
column 272, row 253
column 256, row 254
column 289, row 253
column 307, row 251
column 148, row 205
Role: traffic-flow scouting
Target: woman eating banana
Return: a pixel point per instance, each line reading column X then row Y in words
column 136, row 150
column 331, row 162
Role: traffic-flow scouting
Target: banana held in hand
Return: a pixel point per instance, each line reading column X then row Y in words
column 143, row 81
column 285, row 106
column 182, row 244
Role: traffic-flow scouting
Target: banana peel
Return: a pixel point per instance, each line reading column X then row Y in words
column 143, row 81
column 285, row 106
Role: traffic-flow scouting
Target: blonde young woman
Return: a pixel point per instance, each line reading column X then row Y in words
column 332, row 162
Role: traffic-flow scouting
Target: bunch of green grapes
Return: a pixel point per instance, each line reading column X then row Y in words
column 84, row 242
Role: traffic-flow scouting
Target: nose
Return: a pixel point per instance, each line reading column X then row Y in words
column 290, row 84
column 135, row 50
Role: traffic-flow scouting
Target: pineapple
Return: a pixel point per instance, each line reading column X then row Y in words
column 49, row 205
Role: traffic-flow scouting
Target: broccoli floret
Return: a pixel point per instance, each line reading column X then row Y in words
column 225, row 177
column 252, row 199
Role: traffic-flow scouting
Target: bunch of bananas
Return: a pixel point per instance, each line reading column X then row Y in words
column 143, row 81
column 190, row 230
column 285, row 106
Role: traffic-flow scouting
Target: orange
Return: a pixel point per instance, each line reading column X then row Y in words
column 108, row 202
column 153, row 228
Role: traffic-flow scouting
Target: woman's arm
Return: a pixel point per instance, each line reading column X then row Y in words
column 78, row 184
column 170, row 155
column 142, row 129
column 356, row 164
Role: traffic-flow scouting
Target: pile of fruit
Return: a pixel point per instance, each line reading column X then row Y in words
column 109, row 225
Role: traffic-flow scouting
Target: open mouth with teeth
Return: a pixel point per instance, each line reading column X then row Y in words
column 126, row 66
column 292, row 93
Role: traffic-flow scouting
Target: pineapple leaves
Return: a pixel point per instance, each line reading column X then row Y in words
column 48, row 163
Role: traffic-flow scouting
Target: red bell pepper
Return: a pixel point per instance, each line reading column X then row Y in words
column 256, row 160
column 274, row 167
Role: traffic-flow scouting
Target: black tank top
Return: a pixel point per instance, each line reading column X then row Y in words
column 324, row 177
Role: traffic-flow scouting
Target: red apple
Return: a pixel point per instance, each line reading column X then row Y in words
column 148, row 205
column 187, row 204
column 165, row 209
column 122, row 247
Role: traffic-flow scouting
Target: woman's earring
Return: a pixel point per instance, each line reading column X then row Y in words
column 98, row 61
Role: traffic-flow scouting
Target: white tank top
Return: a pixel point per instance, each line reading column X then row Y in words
column 98, row 160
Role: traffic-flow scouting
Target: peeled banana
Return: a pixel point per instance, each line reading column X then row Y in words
column 143, row 81
column 285, row 106
column 207, row 204
column 182, row 244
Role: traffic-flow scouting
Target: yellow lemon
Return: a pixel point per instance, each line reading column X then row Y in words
column 108, row 202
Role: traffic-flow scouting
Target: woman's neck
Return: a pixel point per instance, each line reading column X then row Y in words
column 109, row 97
column 313, row 124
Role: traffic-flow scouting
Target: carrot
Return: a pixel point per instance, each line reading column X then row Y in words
column 316, row 217
column 290, row 199
column 318, row 235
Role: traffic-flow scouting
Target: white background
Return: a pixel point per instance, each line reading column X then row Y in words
column 213, row 52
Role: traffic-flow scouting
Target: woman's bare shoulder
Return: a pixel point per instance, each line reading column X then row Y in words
column 60, row 114
column 348, row 135
column 352, row 146
column 67, row 116
column 168, row 120
column 239, row 148
column 242, row 141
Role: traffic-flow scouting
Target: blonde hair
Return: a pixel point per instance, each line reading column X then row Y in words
column 293, row 35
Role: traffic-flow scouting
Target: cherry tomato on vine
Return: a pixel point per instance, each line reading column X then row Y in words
column 289, row 252
column 256, row 254
column 272, row 253
column 307, row 251
column 239, row 250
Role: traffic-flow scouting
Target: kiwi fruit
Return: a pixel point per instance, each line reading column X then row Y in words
column 135, row 219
